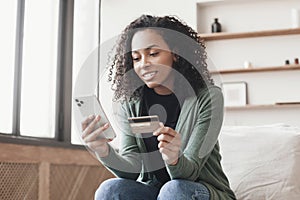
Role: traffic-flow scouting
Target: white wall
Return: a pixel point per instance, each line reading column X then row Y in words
column 116, row 14
column 240, row 15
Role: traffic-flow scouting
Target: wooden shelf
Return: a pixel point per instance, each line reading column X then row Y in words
column 224, row 35
column 266, row 106
column 258, row 69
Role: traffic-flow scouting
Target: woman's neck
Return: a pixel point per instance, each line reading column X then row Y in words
column 161, row 90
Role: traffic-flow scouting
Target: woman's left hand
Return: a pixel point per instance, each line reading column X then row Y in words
column 169, row 144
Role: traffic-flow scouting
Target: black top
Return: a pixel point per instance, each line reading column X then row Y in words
column 167, row 107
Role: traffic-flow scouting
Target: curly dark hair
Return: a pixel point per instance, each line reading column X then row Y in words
column 184, row 42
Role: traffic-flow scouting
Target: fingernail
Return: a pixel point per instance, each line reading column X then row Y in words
column 98, row 117
column 91, row 116
column 106, row 125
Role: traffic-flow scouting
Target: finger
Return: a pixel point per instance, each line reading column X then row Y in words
column 157, row 131
column 167, row 130
column 98, row 145
column 167, row 152
column 95, row 134
column 86, row 122
column 165, row 137
column 169, row 146
column 91, row 126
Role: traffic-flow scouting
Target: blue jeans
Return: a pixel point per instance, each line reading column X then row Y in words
column 125, row 189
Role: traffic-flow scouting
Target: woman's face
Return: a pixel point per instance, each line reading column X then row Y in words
column 153, row 60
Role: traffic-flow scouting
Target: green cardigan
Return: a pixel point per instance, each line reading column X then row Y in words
column 199, row 124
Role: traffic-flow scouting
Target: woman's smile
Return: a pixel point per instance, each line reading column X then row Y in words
column 147, row 76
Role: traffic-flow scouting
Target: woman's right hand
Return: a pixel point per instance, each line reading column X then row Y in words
column 91, row 136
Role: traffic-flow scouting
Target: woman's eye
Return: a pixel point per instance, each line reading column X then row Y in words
column 135, row 58
column 154, row 54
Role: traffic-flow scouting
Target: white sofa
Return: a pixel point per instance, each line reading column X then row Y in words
column 262, row 162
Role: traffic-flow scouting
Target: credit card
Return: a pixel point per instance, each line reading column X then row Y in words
column 144, row 124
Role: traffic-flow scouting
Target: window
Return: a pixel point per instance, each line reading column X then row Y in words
column 8, row 14
column 37, row 67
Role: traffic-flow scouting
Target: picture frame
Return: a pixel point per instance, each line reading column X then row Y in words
column 235, row 93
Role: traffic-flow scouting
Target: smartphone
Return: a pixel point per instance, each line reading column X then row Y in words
column 144, row 124
column 90, row 105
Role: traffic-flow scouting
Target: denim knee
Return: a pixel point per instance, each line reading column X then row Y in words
column 124, row 189
column 105, row 189
column 170, row 190
column 183, row 189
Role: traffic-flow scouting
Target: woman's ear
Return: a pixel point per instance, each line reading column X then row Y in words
column 175, row 55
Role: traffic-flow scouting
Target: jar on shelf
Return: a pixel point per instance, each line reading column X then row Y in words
column 216, row 26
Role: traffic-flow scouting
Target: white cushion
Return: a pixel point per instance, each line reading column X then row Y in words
column 262, row 162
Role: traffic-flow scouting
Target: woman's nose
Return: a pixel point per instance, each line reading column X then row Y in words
column 145, row 62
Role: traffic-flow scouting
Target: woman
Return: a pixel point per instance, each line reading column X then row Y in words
column 160, row 69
